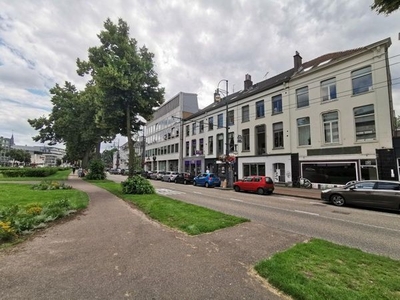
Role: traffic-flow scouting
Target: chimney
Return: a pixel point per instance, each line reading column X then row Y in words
column 297, row 61
column 247, row 82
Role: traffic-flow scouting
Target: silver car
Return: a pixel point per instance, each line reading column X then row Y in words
column 369, row 193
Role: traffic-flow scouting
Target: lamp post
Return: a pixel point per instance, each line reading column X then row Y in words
column 217, row 98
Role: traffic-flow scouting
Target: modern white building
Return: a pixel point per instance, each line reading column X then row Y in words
column 164, row 133
column 329, row 119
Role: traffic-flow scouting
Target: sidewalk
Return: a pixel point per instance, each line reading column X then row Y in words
column 113, row 251
column 298, row 192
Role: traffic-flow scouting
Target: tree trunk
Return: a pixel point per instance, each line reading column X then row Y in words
column 98, row 154
column 130, row 142
column 85, row 160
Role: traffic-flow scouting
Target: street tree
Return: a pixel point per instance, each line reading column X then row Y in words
column 19, row 155
column 385, row 6
column 126, row 77
column 72, row 122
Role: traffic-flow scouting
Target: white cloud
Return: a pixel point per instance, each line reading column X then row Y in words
column 196, row 43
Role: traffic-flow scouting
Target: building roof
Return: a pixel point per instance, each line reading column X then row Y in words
column 326, row 59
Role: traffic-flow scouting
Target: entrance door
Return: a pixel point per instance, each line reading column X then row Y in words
column 279, row 172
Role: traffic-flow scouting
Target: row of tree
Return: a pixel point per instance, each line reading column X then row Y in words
column 121, row 93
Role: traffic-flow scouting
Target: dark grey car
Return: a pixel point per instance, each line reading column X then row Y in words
column 370, row 193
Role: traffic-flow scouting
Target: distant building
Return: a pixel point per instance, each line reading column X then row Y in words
column 5, row 146
column 43, row 155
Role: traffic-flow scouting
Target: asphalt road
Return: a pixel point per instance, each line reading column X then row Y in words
column 371, row 231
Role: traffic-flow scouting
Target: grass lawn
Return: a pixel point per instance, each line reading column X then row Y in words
column 60, row 175
column 323, row 270
column 189, row 218
column 22, row 194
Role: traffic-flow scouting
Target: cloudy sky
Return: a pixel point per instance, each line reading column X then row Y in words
column 196, row 44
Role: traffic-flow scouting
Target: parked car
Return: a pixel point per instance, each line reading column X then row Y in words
column 259, row 184
column 207, row 180
column 165, row 176
column 185, row 178
column 170, row 176
column 160, row 175
column 369, row 193
column 115, row 171
column 153, row 175
column 146, row 174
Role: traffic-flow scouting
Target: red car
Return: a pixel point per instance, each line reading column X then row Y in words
column 259, row 184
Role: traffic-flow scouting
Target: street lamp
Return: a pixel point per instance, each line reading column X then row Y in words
column 218, row 99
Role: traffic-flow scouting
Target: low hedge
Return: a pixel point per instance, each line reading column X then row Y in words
column 29, row 172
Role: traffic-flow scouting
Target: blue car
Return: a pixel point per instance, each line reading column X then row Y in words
column 207, row 180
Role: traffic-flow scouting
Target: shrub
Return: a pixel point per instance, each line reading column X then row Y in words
column 16, row 220
column 29, row 172
column 96, row 170
column 51, row 185
column 137, row 185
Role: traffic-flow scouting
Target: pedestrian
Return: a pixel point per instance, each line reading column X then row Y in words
column 73, row 169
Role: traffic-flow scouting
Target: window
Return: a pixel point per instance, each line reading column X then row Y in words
column 364, row 118
column 331, row 127
column 253, row 169
column 210, row 123
column 201, row 147
column 210, row 145
column 361, row 80
column 231, row 139
column 231, row 118
column 302, row 97
column 303, row 128
column 260, row 142
column 328, row 89
column 278, row 135
column 246, row 140
column 187, row 130
column 194, row 128
column 260, row 109
column 194, row 143
column 201, row 126
column 220, row 120
column 187, row 149
column 245, row 113
column 277, row 104
column 220, row 144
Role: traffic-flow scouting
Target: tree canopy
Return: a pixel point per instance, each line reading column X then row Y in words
column 127, row 80
column 385, row 6
column 19, row 155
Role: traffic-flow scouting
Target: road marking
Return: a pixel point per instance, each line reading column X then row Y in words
column 237, row 200
column 198, row 193
column 306, row 212
column 168, row 192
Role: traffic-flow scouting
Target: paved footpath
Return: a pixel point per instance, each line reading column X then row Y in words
column 113, row 251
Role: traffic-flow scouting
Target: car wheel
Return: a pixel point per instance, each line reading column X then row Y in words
column 260, row 191
column 175, row 181
column 337, row 200
column 236, row 188
column 184, row 182
column 206, row 185
column 194, row 182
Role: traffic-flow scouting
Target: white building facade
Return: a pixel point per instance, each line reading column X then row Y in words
column 163, row 133
column 329, row 120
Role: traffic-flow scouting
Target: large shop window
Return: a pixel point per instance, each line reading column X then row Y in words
column 334, row 173
column 253, row 169
column 364, row 118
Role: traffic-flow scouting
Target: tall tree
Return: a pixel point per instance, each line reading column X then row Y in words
column 385, row 6
column 125, row 75
column 73, row 122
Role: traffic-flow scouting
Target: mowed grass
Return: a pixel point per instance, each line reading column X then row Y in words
column 186, row 217
column 323, row 270
column 22, row 194
column 60, row 175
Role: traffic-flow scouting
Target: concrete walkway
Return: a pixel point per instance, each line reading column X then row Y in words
column 113, row 251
